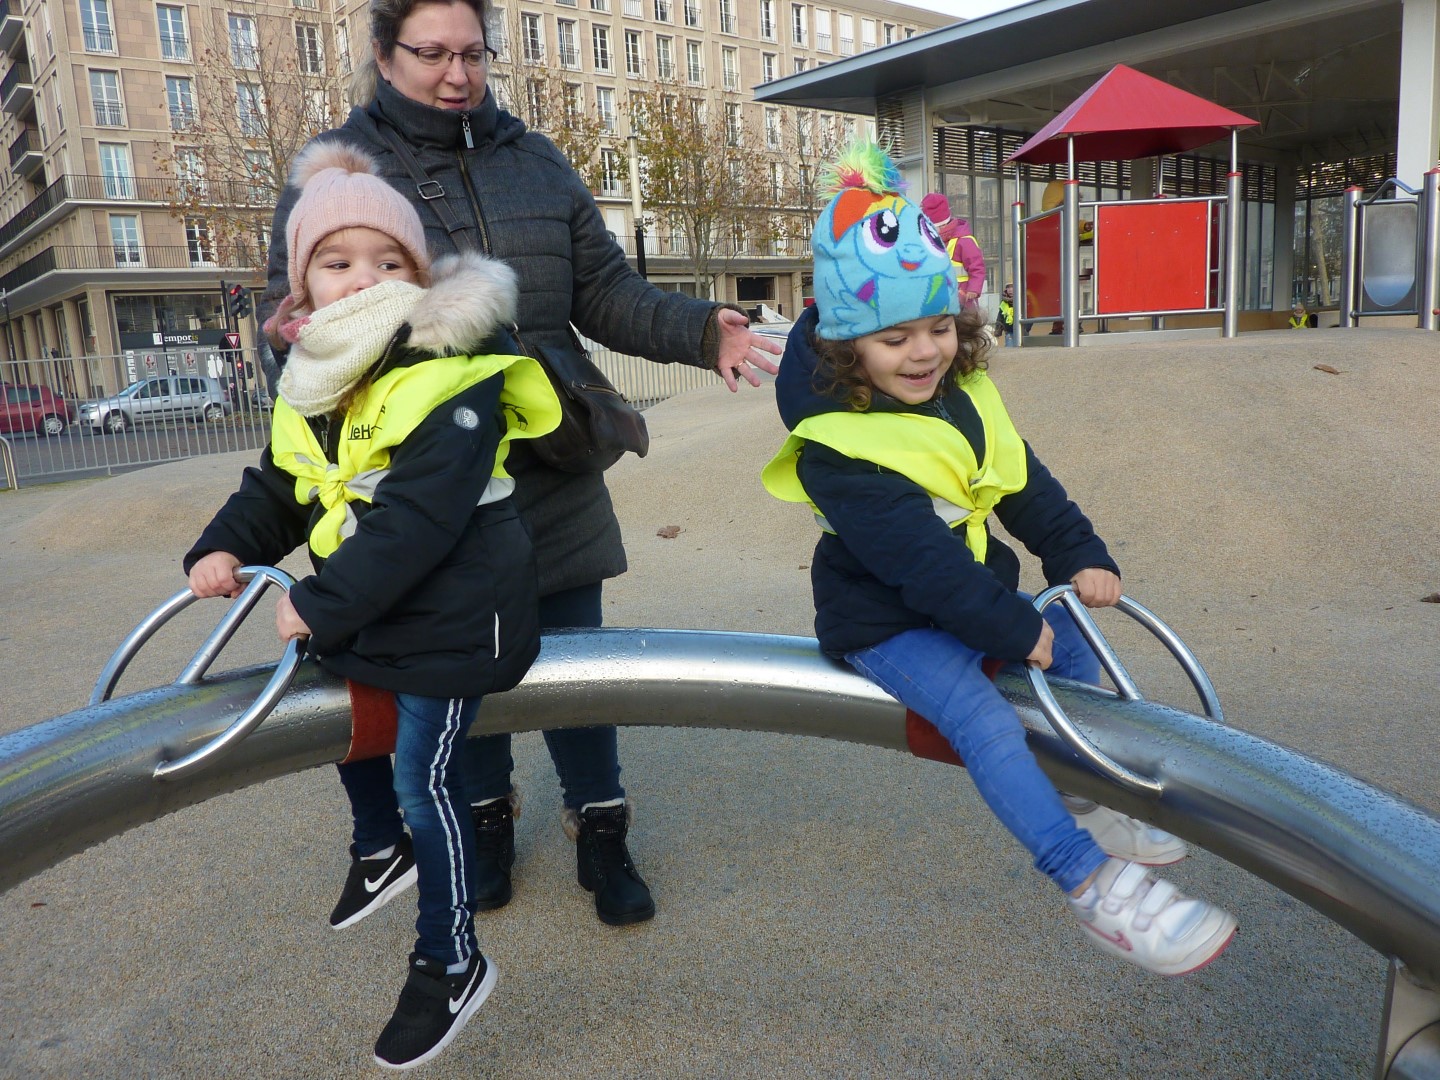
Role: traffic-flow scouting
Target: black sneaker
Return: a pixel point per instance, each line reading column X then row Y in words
column 373, row 883
column 621, row 895
column 433, row 1007
column 494, row 853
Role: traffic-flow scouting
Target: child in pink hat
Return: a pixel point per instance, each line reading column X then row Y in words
column 961, row 244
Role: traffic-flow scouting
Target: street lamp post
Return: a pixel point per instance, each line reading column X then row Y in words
column 635, row 208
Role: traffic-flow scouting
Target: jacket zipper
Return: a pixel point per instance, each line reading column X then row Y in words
column 470, row 187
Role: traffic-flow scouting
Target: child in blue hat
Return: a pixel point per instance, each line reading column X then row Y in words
column 901, row 446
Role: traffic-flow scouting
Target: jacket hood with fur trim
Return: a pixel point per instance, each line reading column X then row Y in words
column 471, row 298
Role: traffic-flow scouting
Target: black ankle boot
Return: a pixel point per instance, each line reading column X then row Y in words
column 494, row 852
column 621, row 895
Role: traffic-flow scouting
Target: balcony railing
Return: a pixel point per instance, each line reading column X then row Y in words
column 109, row 114
column 175, row 47
column 18, row 75
column 124, row 256
column 129, row 189
column 99, row 39
column 27, row 143
column 183, row 119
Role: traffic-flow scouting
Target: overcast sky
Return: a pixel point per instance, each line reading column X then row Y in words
column 964, row 9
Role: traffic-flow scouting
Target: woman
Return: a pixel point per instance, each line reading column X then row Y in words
column 517, row 198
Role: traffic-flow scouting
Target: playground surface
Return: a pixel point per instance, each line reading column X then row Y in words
column 825, row 909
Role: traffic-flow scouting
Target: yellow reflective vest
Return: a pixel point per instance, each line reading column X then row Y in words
column 385, row 414
column 961, row 274
column 925, row 448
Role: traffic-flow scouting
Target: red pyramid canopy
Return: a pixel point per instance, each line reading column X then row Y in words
column 1128, row 115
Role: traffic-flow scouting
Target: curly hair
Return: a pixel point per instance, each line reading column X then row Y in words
column 840, row 376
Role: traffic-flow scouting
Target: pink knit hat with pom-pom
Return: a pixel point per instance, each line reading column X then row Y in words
column 340, row 188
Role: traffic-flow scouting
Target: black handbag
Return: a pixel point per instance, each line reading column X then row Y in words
column 597, row 424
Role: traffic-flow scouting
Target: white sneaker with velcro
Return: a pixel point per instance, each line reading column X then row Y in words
column 1131, row 913
column 1124, row 837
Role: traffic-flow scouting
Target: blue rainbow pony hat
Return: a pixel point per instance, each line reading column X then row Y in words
column 878, row 259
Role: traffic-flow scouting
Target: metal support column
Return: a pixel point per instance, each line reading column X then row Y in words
column 1070, row 263
column 1231, row 324
column 1350, row 257
column 1430, row 252
column 1017, row 263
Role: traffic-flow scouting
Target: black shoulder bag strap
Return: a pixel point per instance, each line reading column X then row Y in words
column 430, row 191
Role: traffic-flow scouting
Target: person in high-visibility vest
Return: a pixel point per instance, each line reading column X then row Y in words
column 960, row 244
column 1005, row 317
column 1299, row 318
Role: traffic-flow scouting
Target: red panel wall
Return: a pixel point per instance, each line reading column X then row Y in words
column 1042, row 268
column 1151, row 257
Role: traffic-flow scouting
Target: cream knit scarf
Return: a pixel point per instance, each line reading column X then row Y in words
column 332, row 349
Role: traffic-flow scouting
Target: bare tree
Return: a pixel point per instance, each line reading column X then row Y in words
column 264, row 86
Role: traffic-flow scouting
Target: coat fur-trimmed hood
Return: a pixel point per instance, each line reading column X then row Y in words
column 470, row 297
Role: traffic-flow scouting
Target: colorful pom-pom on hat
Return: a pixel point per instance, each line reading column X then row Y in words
column 878, row 259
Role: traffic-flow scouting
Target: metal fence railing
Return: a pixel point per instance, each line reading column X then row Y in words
column 40, row 407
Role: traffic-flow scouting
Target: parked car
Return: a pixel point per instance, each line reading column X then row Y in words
column 154, row 400
column 32, row 408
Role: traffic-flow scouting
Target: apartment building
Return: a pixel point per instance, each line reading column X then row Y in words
column 140, row 166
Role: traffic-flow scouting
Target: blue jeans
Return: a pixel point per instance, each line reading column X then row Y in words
column 587, row 759
column 425, row 782
column 932, row 673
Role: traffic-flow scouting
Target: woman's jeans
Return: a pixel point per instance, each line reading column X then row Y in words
column 587, row 759
column 932, row 673
column 425, row 782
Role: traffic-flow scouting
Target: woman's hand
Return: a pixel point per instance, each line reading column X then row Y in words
column 742, row 350
column 288, row 621
column 214, row 575
column 1040, row 654
column 1097, row 587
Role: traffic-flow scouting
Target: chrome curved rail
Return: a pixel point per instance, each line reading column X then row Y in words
column 1073, row 736
column 257, row 579
column 1359, row 855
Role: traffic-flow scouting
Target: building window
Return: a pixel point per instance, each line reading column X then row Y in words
column 534, row 40
column 600, row 5
column 777, row 182
column 249, row 109
column 58, row 102
column 257, row 171
column 728, row 25
column 116, row 170
column 890, row 35
column 244, row 45
column 125, row 239
column 634, row 53
column 867, row 33
column 692, row 14
column 574, row 103
column 569, row 48
column 610, row 182
column 635, row 8
column 847, row 34
column 189, row 171
column 105, row 99
column 663, row 12
column 802, row 132
column 600, row 47
column 96, row 27
column 769, row 66
column 694, row 63
column 767, row 19
column 772, row 129
column 49, row 38
column 342, row 44
column 605, row 108
column 198, row 242
column 310, row 54
column 822, row 30
column 180, row 101
column 797, row 23
column 799, row 64
column 174, row 38
column 535, row 100
column 730, row 67
column 665, row 57
column 565, row 3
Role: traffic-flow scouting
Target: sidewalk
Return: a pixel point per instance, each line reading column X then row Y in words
column 825, row 910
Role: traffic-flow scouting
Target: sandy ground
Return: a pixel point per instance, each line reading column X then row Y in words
column 826, row 910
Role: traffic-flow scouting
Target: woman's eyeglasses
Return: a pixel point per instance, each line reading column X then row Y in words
column 435, row 56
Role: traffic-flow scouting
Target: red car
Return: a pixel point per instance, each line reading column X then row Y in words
column 32, row 408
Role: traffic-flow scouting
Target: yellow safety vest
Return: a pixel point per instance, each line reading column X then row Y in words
column 385, row 415
column 961, row 274
column 928, row 450
column 1299, row 322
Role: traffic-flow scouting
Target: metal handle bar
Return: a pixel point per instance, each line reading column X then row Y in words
column 258, row 578
column 1101, row 762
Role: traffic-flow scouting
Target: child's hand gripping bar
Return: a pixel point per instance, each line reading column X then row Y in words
column 258, row 578
column 1125, row 686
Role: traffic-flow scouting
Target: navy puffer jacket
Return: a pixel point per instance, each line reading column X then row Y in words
column 893, row 565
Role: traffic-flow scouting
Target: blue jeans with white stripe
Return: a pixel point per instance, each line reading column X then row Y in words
column 427, row 784
column 936, row 675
